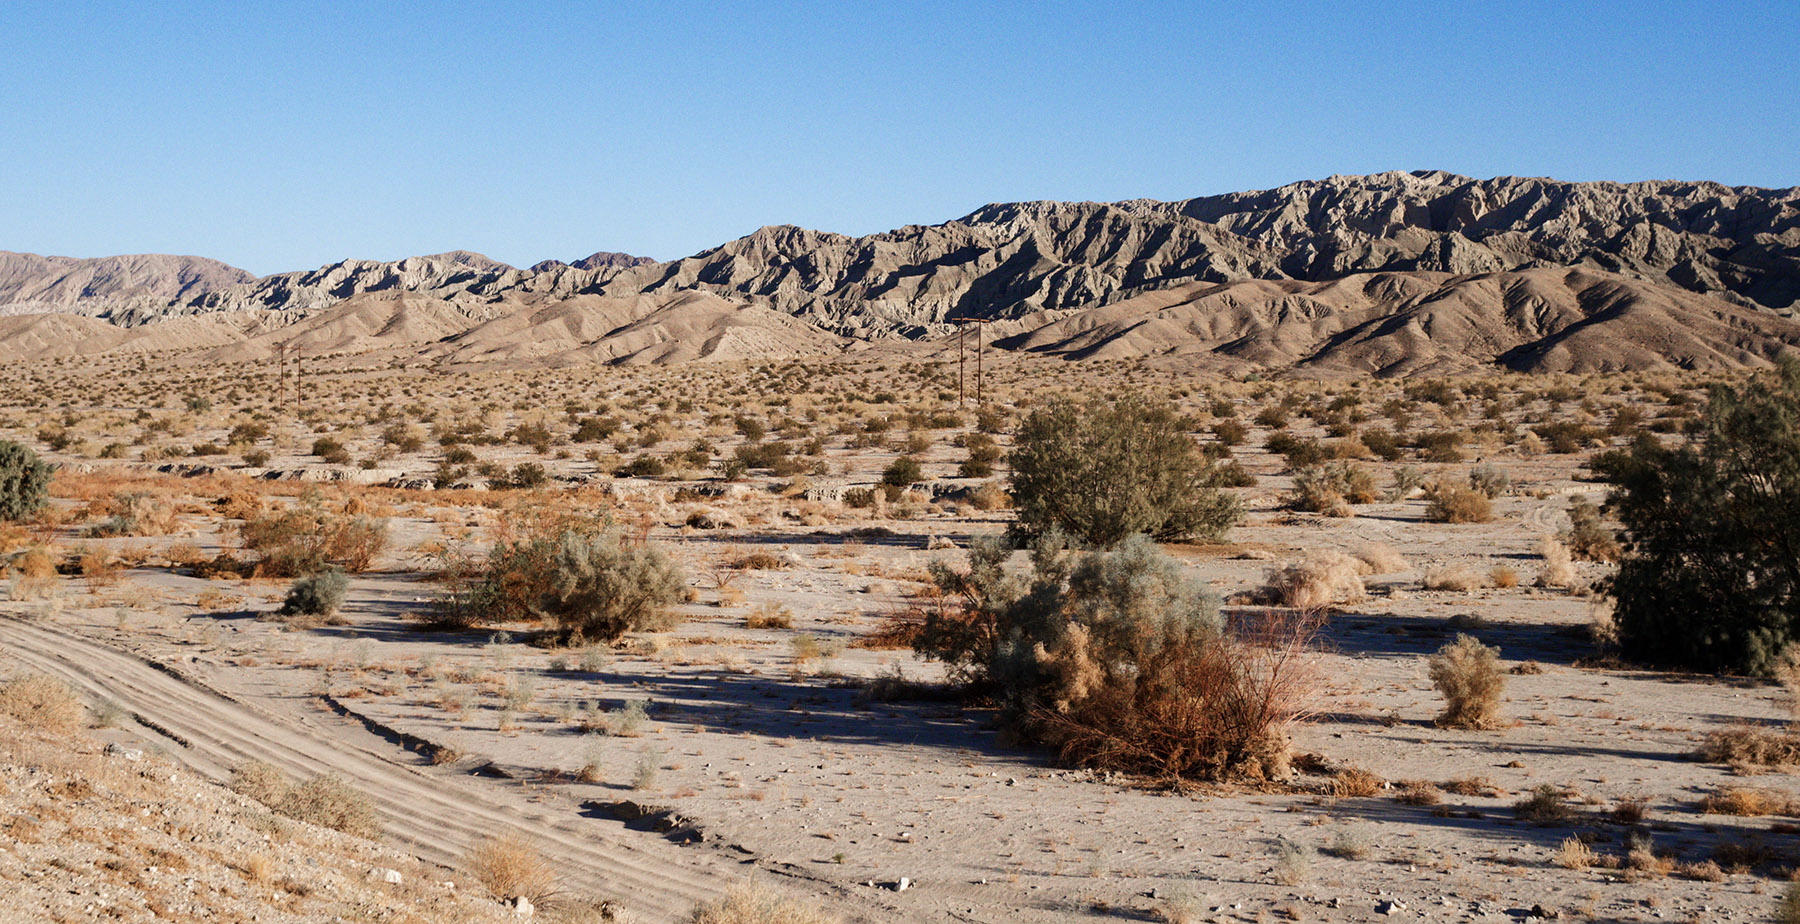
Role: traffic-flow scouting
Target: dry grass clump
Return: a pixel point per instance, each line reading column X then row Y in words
column 1468, row 674
column 44, row 703
column 1749, row 747
column 751, row 903
column 1559, row 566
column 1749, row 801
column 509, row 867
column 1544, row 806
column 1318, row 580
column 1380, row 558
column 1574, row 853
column 1355, row 783
column 769, row 616
column 1479, row 786
column 326, row 800
column 1459, row 577
column 1450, row 502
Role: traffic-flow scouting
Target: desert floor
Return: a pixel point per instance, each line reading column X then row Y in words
column 762, row 753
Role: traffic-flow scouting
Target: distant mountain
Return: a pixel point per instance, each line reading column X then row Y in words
column 1388, row 274
column 30, row 283
column 604, row 259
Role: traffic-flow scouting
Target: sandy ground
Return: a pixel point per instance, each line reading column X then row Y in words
column 753, row 762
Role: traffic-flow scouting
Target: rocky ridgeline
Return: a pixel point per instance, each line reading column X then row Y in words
column 1741, row 244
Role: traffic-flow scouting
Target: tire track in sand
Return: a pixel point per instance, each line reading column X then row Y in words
column 436, row 814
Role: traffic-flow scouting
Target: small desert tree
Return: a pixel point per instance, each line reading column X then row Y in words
column 24, row 481
column 1105, row 469
column 1710, row 575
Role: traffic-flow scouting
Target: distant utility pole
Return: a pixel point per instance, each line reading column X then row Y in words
column 980, row 379
column 961, row 397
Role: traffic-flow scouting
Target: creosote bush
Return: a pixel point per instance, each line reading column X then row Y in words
column 1469, row 676
column 1121, row 661
column 587, row 579
column 1710, row 575
column 316, row 595
column 1103, row 470
column 24, row 481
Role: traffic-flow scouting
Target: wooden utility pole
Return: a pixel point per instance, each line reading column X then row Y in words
column 961, row 397
column 979, row 378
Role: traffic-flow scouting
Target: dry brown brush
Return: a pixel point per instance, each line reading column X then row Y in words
column 1120, row 661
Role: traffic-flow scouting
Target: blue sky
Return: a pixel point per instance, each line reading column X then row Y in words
column 286, row 136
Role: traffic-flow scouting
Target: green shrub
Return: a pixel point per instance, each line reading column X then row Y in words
column 1121, row 661
column 1230, row 432
column 1566, row 436
column 902, row 473
column 316, row 595
column 1103, row 470
column 330, row 450
column 24, row 481
column 1710, row 574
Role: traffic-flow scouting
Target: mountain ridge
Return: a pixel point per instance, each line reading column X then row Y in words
column 1729, row 256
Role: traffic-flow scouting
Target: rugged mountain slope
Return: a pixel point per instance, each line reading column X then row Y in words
column 1390, row 324
column 31, row 284
column 604, row 259
column 1445, row 268
column 1739, row 242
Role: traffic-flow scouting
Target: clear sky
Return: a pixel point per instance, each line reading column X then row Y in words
column 282, row 136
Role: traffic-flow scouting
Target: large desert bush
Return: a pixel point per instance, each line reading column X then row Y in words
column 43, row 702
column 1710, row 573
column 1468, row 674
column 1105, row 469
column 24, row 481
column 1121, row 661
column 607, row 585
column 588, row 580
